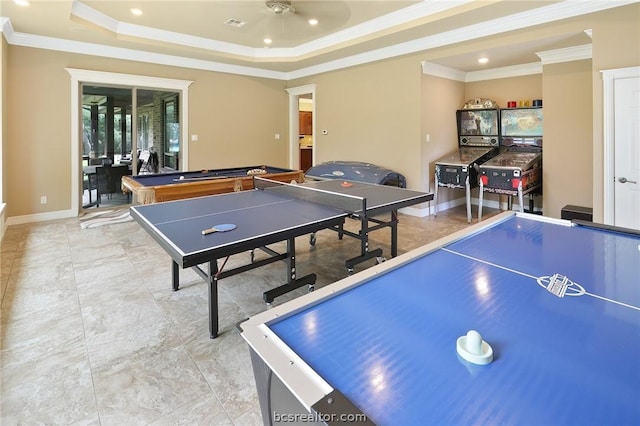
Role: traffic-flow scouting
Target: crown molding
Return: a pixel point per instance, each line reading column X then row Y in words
column 568, row 54
column 82, row 48
column 417, row 11
column 443, row 71
column 5, row 25
column 126, row 30
column 558, row 11
column 301, row 90
column 504, row 72
column 490, row 74
column 545, row 14
column 122, row 29
column 555, row 56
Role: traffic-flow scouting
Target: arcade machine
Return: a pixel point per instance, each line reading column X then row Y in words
column 478, row 141
column 517, row 171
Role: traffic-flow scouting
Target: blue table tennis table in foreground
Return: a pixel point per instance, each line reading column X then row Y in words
column 272, row 213
column 557, row 302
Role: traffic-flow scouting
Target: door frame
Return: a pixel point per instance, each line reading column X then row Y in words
column 80, row 76
column 609, row 77
column 294, row 140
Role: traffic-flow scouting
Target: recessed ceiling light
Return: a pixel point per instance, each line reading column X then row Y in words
column 483, row 60
column 22, row 2
column 136, row 11
column 267, row 41
column 313, row 21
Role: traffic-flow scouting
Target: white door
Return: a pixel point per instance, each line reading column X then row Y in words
column 627, row 152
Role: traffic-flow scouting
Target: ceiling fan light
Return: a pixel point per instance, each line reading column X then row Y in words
column 313, row 21
column 483, row 60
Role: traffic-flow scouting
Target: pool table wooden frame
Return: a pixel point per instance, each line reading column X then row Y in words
column 148, row 194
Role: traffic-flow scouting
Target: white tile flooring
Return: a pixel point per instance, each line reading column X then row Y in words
column 91, row 333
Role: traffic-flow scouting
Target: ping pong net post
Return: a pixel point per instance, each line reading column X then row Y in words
column 348, row 203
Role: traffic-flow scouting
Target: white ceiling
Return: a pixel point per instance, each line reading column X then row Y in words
column 194, row 33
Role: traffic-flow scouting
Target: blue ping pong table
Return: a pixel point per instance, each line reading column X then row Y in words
column 558, row 304
column 273, row 212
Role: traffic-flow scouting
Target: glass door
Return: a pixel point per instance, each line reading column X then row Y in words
column 172, row 132
column 118, row 141
column 107, row 144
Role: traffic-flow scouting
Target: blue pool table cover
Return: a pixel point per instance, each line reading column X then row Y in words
column 388, row 340
column 357, row 171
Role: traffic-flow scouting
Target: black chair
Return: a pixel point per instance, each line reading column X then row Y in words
column 102, row 178
column 115, row 177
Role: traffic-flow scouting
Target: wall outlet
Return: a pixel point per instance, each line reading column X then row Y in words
column 43, row 199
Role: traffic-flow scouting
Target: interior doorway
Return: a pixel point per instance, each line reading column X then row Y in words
column 305, row 131
column 303, row 145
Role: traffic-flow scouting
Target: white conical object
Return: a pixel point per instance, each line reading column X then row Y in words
column 474, row 349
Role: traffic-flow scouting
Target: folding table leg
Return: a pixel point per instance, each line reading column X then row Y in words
column 212, row 279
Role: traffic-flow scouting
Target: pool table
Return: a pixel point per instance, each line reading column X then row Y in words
column 178, row 185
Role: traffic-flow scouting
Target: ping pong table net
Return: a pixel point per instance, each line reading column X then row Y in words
column 345, row 202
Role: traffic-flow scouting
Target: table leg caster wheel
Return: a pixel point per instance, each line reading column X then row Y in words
column 311, row 288
column 379, row 260
column 349, row 271
column 312, row 239
column 252, row 255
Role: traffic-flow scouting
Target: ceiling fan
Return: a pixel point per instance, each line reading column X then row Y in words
column 279, row 7
column 289, row 22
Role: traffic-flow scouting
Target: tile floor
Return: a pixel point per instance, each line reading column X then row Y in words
column 91, row 332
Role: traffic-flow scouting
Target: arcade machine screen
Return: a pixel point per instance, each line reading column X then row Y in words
column 522, row 127
column 478, row 127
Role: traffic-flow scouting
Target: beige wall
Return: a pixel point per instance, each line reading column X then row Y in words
column 38, row 139
column 568, row 135
column 502, row 90
column 378, row 112
column 235, row 118
column 441, row 97
column 372, row 114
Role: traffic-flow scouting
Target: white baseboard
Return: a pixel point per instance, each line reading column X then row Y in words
column 414, row 211
column 41, row 217
column 423, row 212
column 3, row 225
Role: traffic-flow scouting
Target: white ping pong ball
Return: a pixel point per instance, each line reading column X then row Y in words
column 181, row 177
column 474, row 342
